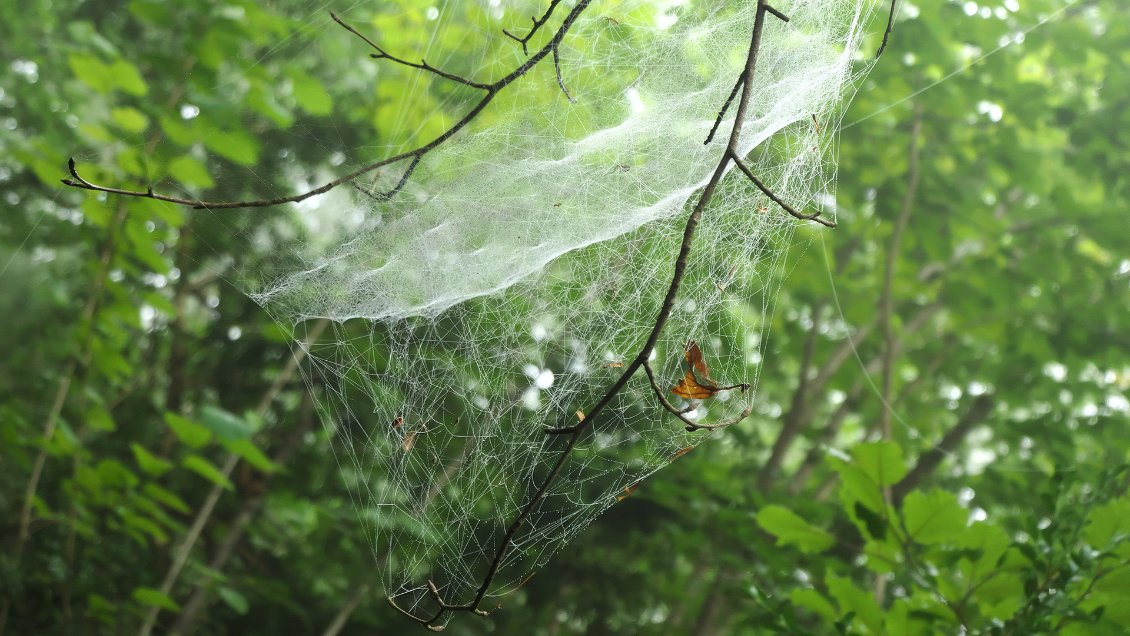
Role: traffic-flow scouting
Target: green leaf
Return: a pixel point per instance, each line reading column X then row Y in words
column 207, row 470
column 113, row 473
column 128, row 78
column 233, row 599
column 1108, row 523
column 166, row 497
column 853, row 600
column 144, row 525
column 933, row 517
column 188, row 432
column 190, row 172
column 130, row 120
column 875, row 524
column 811, row 600
column 154, row 598
column 790, row 529
column 226, row 425
column 310, row 95
column 250, row 453
column 236, row 145
column 98, row 419
column 92, row 71
column 150, row 463
column 857, row 488
column 882, row 462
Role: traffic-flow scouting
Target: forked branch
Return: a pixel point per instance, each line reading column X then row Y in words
column 538, row 23
column 414, row 156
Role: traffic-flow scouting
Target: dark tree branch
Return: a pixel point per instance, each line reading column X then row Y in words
column 928, row 462
column 560, row 81
column 722, row 111
column 890, row 27
column 416, row 155
column 797, row 416
column 423, row 65
column 816, row 454
column 886, row 299
column 538, row 23
column 815, row 216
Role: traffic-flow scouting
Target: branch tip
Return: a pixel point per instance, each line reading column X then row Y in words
column 775, row 12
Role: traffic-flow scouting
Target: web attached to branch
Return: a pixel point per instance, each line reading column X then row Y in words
column 504, row 288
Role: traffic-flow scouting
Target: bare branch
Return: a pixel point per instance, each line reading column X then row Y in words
column 423, row 65
column 722, row 111
column 693, row 426
column 886, row 300
column 561, row 82
column 981, row 408
column 538, row 23
column 890, row 27
column 680, row 267
column 416, row 155
column 815, row 216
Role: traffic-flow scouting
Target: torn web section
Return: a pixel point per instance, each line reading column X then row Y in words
column 505, row 289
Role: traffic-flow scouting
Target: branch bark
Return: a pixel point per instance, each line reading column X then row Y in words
column 886, row 300
column 928, row 462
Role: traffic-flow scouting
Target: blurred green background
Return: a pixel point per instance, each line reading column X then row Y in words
column 960, row 341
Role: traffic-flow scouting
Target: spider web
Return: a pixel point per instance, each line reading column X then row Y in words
column 523, row 265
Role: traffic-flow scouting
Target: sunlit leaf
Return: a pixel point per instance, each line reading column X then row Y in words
column 791, row 529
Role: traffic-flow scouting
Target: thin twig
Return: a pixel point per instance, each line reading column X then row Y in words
column 815, row 216
column 524, row 41
column 890, row 27
column 797, row 416
column 423, row 65
column 692, row 425
column 560, row 81
column 204, row 514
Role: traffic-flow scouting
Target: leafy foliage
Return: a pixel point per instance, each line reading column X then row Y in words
column 144, row 393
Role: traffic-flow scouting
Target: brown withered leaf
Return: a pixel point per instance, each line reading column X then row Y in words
column 409, row 441
column 697, row 384
column 580, row 416
column 679, row 453
column 398, row 422
column 613, row 365
column 628, row 490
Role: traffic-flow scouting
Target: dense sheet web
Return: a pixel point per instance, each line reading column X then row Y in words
column 525, row 261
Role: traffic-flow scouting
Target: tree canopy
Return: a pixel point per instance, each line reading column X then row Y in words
column 938, row 442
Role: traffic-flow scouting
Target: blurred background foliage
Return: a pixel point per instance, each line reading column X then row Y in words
column 943, row 406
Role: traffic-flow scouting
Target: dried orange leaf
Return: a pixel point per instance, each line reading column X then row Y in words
column 699, row 386
column 613, row 365
column 628, row 490
column 679, row 453
column 689, row 389
column 580, row 416
column 695, row 360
